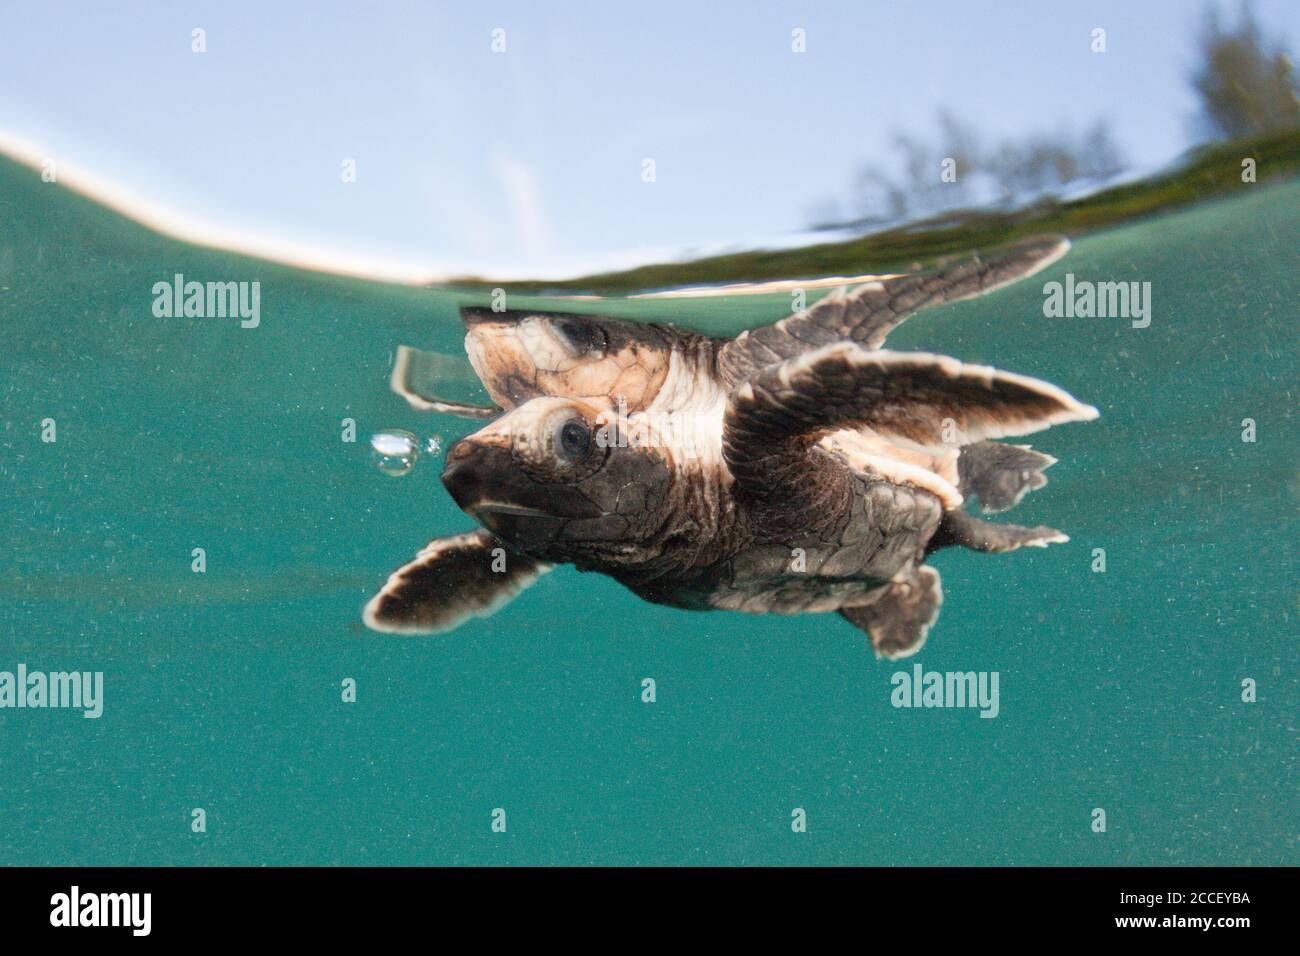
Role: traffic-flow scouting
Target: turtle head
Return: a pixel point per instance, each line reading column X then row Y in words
column 520, row 355
column 556, row 478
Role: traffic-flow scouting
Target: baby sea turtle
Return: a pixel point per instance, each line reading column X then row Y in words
column 796, row 468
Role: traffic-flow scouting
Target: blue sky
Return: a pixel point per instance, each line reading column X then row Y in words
column 529, row 161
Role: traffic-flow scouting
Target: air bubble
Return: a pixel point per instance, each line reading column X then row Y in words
column 394, row 451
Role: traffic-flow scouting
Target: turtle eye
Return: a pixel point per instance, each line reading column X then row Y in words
column 573, row 440
column 582, row 337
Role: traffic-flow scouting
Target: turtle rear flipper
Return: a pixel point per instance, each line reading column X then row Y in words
column 960, row 528
column 1000, row 475
column 899, row 620
column 774, row 421
column 449, row 581
column 868, row 313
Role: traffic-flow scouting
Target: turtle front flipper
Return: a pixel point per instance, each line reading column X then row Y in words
column 868, row 313
column 449, row 581
column 774, row 421
column 900, row 618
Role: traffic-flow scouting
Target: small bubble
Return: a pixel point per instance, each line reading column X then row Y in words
column 394, row 451
column 434, row 445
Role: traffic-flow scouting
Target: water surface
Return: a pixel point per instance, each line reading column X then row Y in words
column 1119, row 690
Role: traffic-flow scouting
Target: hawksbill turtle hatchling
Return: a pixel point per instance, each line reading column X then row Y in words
column 797, row 468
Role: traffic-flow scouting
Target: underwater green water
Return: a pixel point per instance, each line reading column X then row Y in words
column 1119, row 690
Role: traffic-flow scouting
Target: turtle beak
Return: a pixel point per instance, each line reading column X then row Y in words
column 486, row 482
column 470, row 465
column 488, row 485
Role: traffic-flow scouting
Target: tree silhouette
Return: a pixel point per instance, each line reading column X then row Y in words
column 1246, row 84
column 1008, row 172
